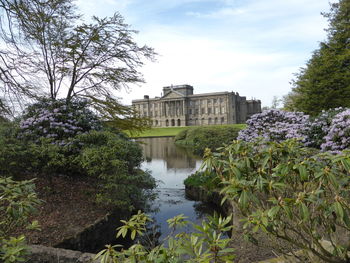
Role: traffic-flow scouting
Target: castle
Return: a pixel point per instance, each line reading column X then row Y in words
column 178, row 106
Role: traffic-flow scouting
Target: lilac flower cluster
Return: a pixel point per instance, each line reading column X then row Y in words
column 275, row 125
column 338, row 136
column 57, row 120
column 319, row 127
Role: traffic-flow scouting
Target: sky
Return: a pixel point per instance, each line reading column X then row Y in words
column 253, row 47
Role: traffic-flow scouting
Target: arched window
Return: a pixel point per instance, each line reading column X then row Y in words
column 172, row 122
column 178, row 122
column 167, row 123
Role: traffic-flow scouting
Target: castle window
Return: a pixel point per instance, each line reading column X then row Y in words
column 197, row 111
column 209, row 121
column 222, row 120
column 202, row 110
column 215, row 100
column 222, row 110
column 209, row 110
column 221, row 100
column 190, row 111
column 216, row 110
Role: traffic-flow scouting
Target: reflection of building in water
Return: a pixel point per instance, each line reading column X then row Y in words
column 180, row 107
column 165, row 149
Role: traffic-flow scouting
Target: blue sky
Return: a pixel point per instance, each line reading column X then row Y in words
column 248, row 46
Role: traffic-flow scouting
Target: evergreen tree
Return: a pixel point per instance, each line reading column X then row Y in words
column 325, row 81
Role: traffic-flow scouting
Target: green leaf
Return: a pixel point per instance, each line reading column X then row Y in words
column 304, row 211
column 243, row 199
column 303, row 173
column 338, row 209
column 273, row 211
column 346, row 219
column 346, row 164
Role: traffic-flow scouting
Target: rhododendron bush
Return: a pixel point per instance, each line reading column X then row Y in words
column 329, row 131
column 275, row 125
column 338, row 136
column 58, row 120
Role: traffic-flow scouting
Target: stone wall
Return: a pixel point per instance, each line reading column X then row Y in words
column 42, row 254
column 95, row 236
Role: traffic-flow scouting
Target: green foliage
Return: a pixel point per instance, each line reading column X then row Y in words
column 111, row 158
column 290, row 193
column 204, row 179
column 204, row 246
column 15, row 157
column 18, row 201
column 114, row 160
column 200, row 138
column 325, row 81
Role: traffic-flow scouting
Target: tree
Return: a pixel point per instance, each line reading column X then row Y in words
column 325, row 81
column 48, row 50
column 275, row 102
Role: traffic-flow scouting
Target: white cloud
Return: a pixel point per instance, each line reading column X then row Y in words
column 252, row 47
column 214, row 65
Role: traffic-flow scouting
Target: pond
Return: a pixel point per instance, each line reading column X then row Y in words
column 170, row 165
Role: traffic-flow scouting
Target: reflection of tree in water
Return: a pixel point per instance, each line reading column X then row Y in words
column 150, row 238
column 165, row 149
column 202, row 210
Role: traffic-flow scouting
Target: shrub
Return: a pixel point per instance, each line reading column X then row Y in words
column 208, row 181
column 338, row 136
column 181, row 135
column 319, row 127
column 200, row 138
column 289, row 193
column 111, row 158
column 275, row 125
column 18, row 201
column 206, row 244
column 57, row 120
column 114, row 160
column 15, row 157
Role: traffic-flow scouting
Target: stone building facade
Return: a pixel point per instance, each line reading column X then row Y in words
column 178, row 106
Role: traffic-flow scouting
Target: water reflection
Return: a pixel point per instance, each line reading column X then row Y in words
column 167, row 162
column 171, row 165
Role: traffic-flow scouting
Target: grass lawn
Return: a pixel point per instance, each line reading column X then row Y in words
column 172, row 131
